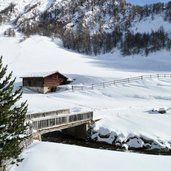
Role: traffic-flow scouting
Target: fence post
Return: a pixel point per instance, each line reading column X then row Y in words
column 92, row 86
column 72, row 88
column 141, row 77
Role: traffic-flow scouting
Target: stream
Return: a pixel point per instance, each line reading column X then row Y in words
column 59, row 137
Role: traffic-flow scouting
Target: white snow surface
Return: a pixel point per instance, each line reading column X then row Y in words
column 147, row 25
column 21, row 4
column 52, row 157
column 39, row 74
column 125, row 109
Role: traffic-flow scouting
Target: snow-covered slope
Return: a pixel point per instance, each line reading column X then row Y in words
column 92, row 27
column 52, row 157
column 153, row 25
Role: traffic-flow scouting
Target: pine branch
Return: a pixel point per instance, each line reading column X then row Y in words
column 12, row 117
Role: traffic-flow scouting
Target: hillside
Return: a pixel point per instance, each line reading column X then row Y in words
column 94, row 26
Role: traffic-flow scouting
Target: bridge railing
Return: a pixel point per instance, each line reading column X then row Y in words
column 116, row 82
column 46, row 114
column 80, row 116
column 45, row 122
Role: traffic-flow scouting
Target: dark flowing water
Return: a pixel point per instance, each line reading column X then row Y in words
column 59, row 137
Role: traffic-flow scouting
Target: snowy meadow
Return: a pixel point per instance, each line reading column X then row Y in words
column 124, row 109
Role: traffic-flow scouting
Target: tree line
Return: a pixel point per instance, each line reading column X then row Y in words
column 69, row 22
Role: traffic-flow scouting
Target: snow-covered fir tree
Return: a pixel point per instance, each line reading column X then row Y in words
column 12, row 118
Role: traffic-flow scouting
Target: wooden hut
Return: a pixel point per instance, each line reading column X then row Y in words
column 44, row 82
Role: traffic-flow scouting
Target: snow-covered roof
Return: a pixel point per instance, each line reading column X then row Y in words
column 41, row 74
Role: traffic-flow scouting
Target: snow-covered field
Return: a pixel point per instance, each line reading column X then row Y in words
column 125, row 109
column 52, row 157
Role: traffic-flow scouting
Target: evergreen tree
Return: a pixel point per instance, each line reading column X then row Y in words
column 12, row 118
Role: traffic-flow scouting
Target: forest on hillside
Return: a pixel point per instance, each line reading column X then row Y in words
column 95, row 26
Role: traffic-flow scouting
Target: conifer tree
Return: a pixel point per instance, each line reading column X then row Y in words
column 12, row 118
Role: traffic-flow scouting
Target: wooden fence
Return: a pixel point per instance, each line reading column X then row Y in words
column 116, row 82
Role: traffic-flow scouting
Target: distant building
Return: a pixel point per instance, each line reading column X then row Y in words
column 45, row 82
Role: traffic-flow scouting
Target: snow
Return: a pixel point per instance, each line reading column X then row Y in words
column 124, row 109
column 2, row 126
column 40, row 74
column 136, row 143
column 51, row 157
column 3, row 28
column 21, row 4
column 145, row 2
column 153, row 25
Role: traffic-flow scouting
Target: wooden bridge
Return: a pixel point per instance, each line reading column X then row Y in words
column 60, row 120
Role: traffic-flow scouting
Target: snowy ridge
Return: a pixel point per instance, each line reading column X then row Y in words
column 32, row 9
column 92, row 27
